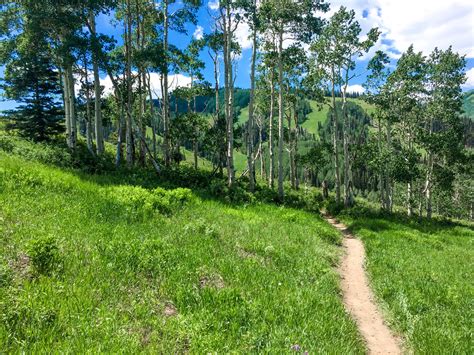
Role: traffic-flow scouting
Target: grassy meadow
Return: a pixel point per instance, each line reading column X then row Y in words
column 90, row 264
column 101, row 260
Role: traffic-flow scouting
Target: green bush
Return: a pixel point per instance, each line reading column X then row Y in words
column 138, row 202
column 44, row 256
column 266, row 195
column 333, row 207
column 202, row 228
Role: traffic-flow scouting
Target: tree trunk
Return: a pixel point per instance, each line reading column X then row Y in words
column 152, row 116
column 290, row 153
column 388, row 180
column 118, row 152
column 67, row 111
column 195, row 150
column 250, row 123
column 220, row 155
column 271, row 173
column 229, row 96
column 381, row 168
column 90, row 146
column 166, row 116
column 409, row 199
column 295, row 159
column 347, row 168
column 72, row 109
column 128, row 44
column 281, row 112
column 428, row 187
column 99, row 130
column 335, row 142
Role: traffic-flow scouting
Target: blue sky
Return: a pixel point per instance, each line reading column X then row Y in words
column 424, row 23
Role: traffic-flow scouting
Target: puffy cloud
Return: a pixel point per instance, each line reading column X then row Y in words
column 424, row 23
column 356, row 88
column 469, row 84
column 174, row 81
column 198, row 32
column 213, row 4
column 242, row 35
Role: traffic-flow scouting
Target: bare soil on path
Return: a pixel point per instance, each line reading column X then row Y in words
column 359, row 299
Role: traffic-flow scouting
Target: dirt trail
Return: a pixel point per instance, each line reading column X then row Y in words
column 358, row 298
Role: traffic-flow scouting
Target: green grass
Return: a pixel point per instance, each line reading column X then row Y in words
column 240, row 162
column 317, row 115
column 468, row 104
column 243, row 116
column 422, row 274
column 126, row 278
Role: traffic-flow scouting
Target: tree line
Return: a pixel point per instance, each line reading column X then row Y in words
column 408, row 150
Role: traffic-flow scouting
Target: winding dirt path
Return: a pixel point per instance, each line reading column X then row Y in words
column 358, row 298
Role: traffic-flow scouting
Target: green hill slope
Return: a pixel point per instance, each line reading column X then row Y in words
column 468, row 104
column 318, row 114
column 92, row 263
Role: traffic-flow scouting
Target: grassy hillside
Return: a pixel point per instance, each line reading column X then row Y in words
column 126, row 262
column 468, row 104
column 316, row 115
column 320, row 115
column 90, row 263
column 422, row 274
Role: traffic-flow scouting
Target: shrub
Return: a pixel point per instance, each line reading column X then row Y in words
column 201, row 227
column 266, row 195
column 138, row 202
column 44, row 255
column 333, row 207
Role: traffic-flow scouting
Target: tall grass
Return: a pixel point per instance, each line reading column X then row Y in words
column 95, row 264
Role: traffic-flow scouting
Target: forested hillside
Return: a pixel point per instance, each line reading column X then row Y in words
column 149, row 204
column 468, row 104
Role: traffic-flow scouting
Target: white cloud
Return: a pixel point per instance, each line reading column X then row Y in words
column 242, row 35
column 470, row 79
column 174, row 81
column 356, row 88
column 198, row 32
column 213, row 4
column 424, row 23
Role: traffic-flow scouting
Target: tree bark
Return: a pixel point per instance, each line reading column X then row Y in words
column 90, row 146
column 229, row 96
column 72, row 108
column 152, row 117
column 166, row 116
column 347, row 163
column 99, row 130
column 67, row 111
column 128, row 44
column 335, row 142
column 271, row 173
column 295, row 158
column 250, row 123
column 281, row 112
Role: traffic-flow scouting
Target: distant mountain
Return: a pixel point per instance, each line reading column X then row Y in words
column 468, row 104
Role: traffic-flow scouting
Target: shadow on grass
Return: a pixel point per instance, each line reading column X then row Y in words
column 377, row 221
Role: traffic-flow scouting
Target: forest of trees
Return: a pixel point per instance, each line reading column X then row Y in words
column 412, row 149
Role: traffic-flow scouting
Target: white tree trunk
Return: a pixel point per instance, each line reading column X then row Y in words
column 99, row 130
column 281, row 112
